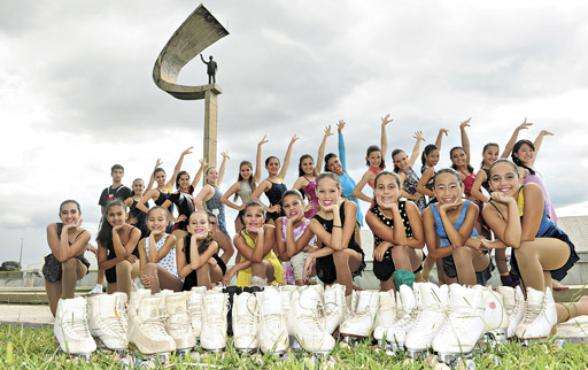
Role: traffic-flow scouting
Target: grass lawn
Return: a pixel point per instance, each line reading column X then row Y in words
column 35, row 348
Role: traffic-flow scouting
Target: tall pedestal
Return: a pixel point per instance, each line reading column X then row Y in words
column 210, row 119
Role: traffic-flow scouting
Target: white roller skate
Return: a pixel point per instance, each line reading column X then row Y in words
column 409, row 305
column 306, row 322
column 386, row 316
column 195, row 309
column 435, row 302
column 213, row 336
column 146, row 329
column 540, row 316
column 178, row 323
column 108, row 321
column 464, row 327
column 495, row 317
column 360, row 323
column 286, row 292
column 272, row 330
column 71, row 328
column 335, row 307
column 514, row 304
column 244, row 319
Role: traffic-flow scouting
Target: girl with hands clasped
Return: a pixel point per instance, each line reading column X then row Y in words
column 197, row 259
column 65, row 265
column 450, row 234
column 293, row 243
column 307, row 172
column 374, row 159
column 157, row 254
column 257, row 264
column 274, row 185
column 117, row 248
column 339, row 256
column 398, row 231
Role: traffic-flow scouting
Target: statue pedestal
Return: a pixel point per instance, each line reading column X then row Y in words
column 210, row 123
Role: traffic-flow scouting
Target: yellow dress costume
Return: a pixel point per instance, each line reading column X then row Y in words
column 244, row 276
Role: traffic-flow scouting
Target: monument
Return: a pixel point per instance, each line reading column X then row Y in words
column 199, row 31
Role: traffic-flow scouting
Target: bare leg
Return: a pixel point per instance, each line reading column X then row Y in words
column 125, row 272
column 346, row 262
column 167, row 280
column 466, row 274
column 386, row 285
column 203, row 276
column 151, row 271
column 72, row 270
column 566, row 311
column 500, row 259
column 536, row 256
column 53, row 295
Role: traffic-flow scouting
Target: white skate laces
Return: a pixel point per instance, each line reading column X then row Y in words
column 307, row 322
column 244, row 319
column 71, row 327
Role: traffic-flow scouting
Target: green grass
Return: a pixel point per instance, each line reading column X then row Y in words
column 35, row 348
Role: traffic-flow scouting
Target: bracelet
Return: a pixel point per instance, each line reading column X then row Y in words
column 339, row 226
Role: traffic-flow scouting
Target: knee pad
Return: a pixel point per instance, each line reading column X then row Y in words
column 403, row 277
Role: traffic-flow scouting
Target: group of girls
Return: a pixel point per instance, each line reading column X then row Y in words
column 312, row 230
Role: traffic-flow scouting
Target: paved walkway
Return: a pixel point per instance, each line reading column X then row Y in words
column 28, row 315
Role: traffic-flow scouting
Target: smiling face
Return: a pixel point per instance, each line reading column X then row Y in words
column 448, row 188
column 374, row 158
column 334, row 165
column 433, row 158
column 273, row 166
column 504, row 178
column 184, row 181
column 198, row 224
column 490, row 155
column 211, row 176
column 292, row 205
column 138, row 187
column 525, row 154
column 116, row 215
column 157, row 221
column 386, row 191
column 401, row 161
column 328, row 192
column 69, row 213
column 307, row 166
column 160, row 178
column 245, row 171
column 253, row 218
column 458, row 157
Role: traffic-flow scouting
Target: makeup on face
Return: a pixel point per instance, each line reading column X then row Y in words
column 447, row 188
column 328, row 192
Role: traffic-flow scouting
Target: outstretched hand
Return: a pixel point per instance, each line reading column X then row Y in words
column 546, row 133
column 264, row 140
column 187, row 150
column 294, row 139
column 418, row 136
column 340, row 125
column 525, row 125
column 327, row 131
column 158, row 162
column 386, row 120
column 225, row 155
column 444, row 131
column 465, row 123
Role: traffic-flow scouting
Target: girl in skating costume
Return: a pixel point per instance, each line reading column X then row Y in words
column 338, row 166
column 398, row 231
column 274, row 185
column 307, row 172
column 65, row 265
column 429, row 159
column 197, row 256
column 161, row 194
column 157, row 254
column 450, row 234
column 209, row 197
column 183, row 197
column 257, row 263
column 403, row 166
column 519, row 219
column 460, row 159
column 374, row 159
column 243, row 189
column 293, row 244
column 339, row 256
column 223, row 240
column 137, row 217
column 117, row 249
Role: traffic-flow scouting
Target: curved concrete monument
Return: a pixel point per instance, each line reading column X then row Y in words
column 199, row 31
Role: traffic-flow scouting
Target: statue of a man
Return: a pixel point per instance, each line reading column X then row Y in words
column 211, row 68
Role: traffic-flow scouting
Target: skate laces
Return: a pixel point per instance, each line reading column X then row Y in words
column 155, row 326
column 531, row 313
column 76, row 326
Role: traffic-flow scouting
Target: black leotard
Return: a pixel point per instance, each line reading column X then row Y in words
column 185, row 204
column 274, row 194
column 191, row 279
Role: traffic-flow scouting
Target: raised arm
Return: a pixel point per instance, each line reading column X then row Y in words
column 223, row 168
column 199, row 173
column 383, row 138
column 321, row 151
column 538, row 142
column 287, row 158
column 259, row 159
column 342, row 154
column 465, row 140
column 158, row 163
column 439, row 139
column 416, row 150
column 178, row 166
column 514, row 137
column 203, row 60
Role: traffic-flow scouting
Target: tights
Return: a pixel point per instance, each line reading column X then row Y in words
column 537, row 257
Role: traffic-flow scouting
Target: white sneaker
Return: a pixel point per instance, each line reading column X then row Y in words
column 195, row 308
column 540, row 315
column 360, row 323
column 409, row 304
column 429, row 320
column 335, row 307
column 464, row 326
column 107, row 319
column 244, row 319
column 71, row 327
column 514, row 304
column 178, row 322
column 307, row 326
column 386, row 314
column 213, row 336
column 272, row 331
column 146, row 329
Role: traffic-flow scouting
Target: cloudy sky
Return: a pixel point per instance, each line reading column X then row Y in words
column 76, row 93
